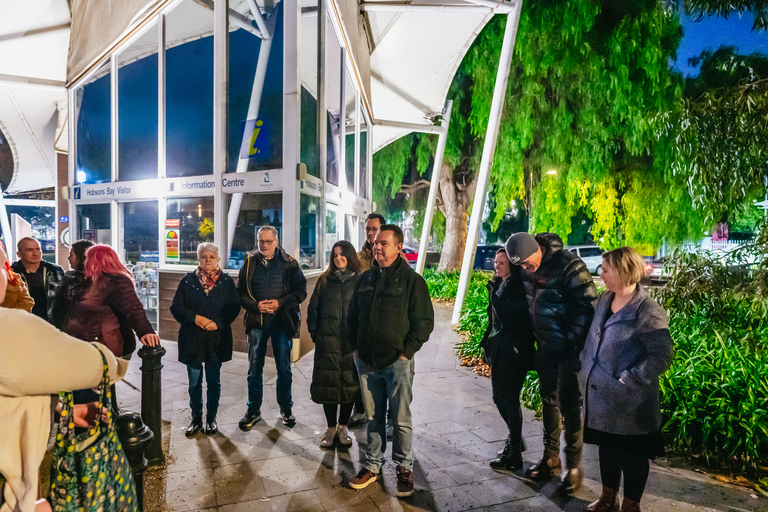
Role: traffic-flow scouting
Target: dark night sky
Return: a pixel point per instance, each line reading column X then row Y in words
column 712, row 32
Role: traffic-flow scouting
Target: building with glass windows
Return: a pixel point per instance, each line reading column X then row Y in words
column 203, row 120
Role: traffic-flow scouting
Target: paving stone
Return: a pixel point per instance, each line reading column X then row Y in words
column 457, row 430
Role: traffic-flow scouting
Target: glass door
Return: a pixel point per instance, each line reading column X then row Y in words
column 140, row 251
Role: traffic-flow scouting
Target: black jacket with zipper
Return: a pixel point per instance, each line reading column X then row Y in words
column 288, row 314
column 561, row 300
column 509, row 334
column 391, row 314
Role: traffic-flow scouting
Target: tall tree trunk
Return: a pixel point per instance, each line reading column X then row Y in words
column 456, row 197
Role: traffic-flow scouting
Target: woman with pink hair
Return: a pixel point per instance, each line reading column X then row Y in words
column 109, row 311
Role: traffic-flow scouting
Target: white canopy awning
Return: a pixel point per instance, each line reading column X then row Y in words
column 34, row 38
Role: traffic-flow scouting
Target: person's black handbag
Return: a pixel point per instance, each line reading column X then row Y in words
column 90, row 471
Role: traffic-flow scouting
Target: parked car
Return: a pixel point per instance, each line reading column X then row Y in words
column 485, row 256
column 659, row 270
column 592, row 255
column 410, row 254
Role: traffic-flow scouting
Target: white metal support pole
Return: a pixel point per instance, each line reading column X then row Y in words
column 113, row 105
column 220, row 59
column 433, row 186
column 489, row 146
column 322, row 129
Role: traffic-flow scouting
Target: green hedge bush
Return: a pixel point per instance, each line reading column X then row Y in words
column 715, row 396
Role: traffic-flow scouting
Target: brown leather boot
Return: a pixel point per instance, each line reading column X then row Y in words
column 630, row 506
column 607, row 502
column 544, row 469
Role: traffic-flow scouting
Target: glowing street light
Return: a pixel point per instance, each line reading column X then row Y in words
column 552, row 172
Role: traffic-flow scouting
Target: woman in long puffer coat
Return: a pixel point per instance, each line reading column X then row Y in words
column 334, row 378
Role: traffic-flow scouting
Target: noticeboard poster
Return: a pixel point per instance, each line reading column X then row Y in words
column 172, row 240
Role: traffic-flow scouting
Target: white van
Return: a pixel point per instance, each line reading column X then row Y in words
column 592, row 255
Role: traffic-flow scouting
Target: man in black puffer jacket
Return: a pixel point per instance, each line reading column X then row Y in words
column 561, row 296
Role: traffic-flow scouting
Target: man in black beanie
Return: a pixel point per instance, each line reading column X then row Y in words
column 561, row 296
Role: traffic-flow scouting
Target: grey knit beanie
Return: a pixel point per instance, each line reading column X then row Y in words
column 520, row 247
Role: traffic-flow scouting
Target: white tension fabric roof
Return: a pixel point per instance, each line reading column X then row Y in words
column 406, row 54
column 34, row 38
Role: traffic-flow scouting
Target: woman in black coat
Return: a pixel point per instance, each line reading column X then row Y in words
column 627, row 350
column 334, row 378
column 205, row 305
column 509, row 350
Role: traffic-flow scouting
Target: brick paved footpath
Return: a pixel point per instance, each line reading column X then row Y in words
column 457, row 430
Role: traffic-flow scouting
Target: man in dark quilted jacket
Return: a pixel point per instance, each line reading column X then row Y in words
column 561, row 297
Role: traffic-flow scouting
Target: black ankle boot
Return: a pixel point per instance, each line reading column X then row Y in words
column 510, row 458
column 195, row 426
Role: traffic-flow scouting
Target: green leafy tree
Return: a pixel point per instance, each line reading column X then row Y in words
column 724, row 8
column 590, row 87
column 721, row 132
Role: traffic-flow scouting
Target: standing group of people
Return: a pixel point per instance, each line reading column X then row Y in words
column 368, row 315
column 602, row 356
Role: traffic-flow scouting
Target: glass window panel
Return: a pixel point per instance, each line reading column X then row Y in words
column 189, row 90
column 42, row 223
column 333, row 77
column 137, row 109
column 93, row 223
column 194, row 225
column 141, row 256
column 349, row 138
column 332, row 229
column 255, row 143
column 308, row 69
column 94, row 129
column 256, row 210
column 308, row 209
column 362, row 190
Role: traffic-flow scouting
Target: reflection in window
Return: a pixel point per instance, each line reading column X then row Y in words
column 42, row 223
column 189, row 221
column 332, row 228
column 349, row 130
column 362, row 189
column 93, row 223
column 308, row 209
column 137, row 109
column 255, row 144
column 94, row 129
column 256, row 210
column 309, row 151
column 333, row 71
column 189, row 90
column 140, row 232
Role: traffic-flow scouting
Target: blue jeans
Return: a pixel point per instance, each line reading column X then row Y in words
column 393, row 384
column 257, row 350
column 212, row 371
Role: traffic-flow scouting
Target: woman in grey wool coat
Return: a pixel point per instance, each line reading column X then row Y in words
column 628, row 348
column 335, row 383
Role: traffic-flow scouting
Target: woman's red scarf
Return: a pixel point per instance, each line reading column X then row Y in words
column 208, row 279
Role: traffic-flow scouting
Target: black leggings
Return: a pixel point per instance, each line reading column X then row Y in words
column 635, row 467
column 345, row 411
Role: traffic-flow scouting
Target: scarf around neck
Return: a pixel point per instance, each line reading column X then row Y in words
column 207, row 279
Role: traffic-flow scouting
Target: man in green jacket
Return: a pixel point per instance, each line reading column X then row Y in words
column 390, row 318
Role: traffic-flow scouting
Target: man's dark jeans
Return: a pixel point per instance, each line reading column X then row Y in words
column 257, row 350
column 507, row 379
column 561, row 396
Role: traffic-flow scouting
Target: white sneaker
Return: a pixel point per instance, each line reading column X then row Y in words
column 328, row 438
column 344, row 437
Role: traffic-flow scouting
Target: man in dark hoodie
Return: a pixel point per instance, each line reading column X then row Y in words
column 390, row 318
column 271, row 286
column 561, row 296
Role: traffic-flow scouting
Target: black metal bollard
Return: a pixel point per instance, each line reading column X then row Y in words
column 151, row 400
column 134, row 437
